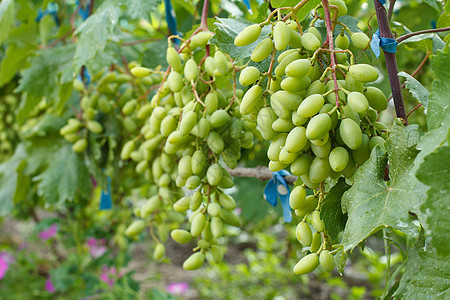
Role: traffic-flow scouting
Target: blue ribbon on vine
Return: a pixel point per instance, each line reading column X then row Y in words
column 387, row 44
column 277, row 187
column 382, row 1
column 83, row 12
column 51, row 9
column 105, row 197
column 171, row 20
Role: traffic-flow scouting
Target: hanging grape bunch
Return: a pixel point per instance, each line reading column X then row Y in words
column 192, row 130
column 317, row 112
column 8, row 126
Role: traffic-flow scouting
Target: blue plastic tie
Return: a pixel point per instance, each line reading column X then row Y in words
column 387, row 44
column 382, row 1
column 83, row 12
column 105, row 197
column 247, row 3
column 50, row 10
column 277, row 187
column 171, row 20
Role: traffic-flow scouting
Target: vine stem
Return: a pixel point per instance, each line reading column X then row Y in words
column 261, row 173
column 204, row 21
column 391, row 61
column 407, row 36
column 326, row 9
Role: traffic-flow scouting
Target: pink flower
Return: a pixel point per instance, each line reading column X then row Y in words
column 5, row 260
column 96, row 247
column 109, row 275
column 48, row 233
column 177, row 288
column 49, row 285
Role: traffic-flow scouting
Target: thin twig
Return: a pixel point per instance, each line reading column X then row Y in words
column 407, row 36
column 204, row 22
column 140, row 42
column 57, row 41
column 391, row 9
column 261, row 173
column 415, row 108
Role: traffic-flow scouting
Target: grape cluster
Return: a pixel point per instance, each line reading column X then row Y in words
column 193, row 130
column 320, row 122
column 8, row 126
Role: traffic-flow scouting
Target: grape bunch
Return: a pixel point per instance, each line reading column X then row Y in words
column 192, row 132
column 8, row 126
column 317, row 113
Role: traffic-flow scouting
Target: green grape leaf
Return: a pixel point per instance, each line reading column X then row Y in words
column 10, row 182
column 427, row 275
column 430, row 42
column 14, row 59
column 155, row 55
column 435, row 172
column 66, row 174
column 372, row 203
column 438, row 108
column 7, row 12
column 94, row 32
column 444, row 19
column 433, row 4
column 283, row 3
column 302, row 12
column 140, row 9
column 227, row 30
column 340, row 258
column 417, row 89
column 331, row 211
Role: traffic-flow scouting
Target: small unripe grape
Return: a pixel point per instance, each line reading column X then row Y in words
column 80, row 145
column 318, row 224
column 184, row 166
column 307, row 264
column 316, row 87
column 377, row 140
column 214, row 209
column 78, row 85
column 227, row 201
column 182, row 204
column 304, row 234
column 342, row 8
column 296, row 139
column 360, row 40
column 282, row 125
column 301, row 165
column 297, row 197
column 316, row 242
column 216, row 253
column 194, row 262
column 288, row 100
column 350, row 168
column 247, row 36
column 216, row 227
column 275, row 147
column 221, row 62
column 188, row 121
column 310, row 106
column 298, row 68
column 280, row 70
column 316, row 32
column 200, row 39
column 377, row 99
column 251, row 99
column 338, row 159
column 319, row 170
column 263, row 50
column 198, row 162
column 326, row 261
column 128, row 147
column 358, row 102
column 210, row 66
column 168, row 125
column 276, row 166
column 287, row 157
column 215, row 142
column 265, row 119
column 322, row 150
column 214, row 174
column 342, row 41
column 135, row 228
column 230, row 218
column 318, row 126
column 181, row 236
column 129, row 107
column 295, row 39
column 294, row 84
column 144, row 112
column 249, row 75
column 297, row 120
column 350, row 113
column 197, row 225
column 140, row 71
column 94, row 126
column 175, row 81
column 352, row 84
column 281, row 35
column 150, row 206
column 173, row 59
column 219, row 118
column 191, row 70
column 310, row 41
column 363, row 152
column 350, row 133
column 159, row 251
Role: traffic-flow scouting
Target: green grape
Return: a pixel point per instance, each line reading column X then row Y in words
column 377, row 140
column 219, row 118
column 175, row 81
column 318, row 126
column 187, row 123
column 341, row 57
column 136, row 227
column 251, row 99
column 215, row 142
column 350, row 113
column 227, row 201
column 211, row 102
column 363, row 72
column 266, row 117
column 221, row 62
column 286, row 99
column 191, row 70
column 173, row 59
column 159, row 251
column 318, row 224
column 150, row 206
column 358, row 102
column 141, row 167
column 168, row 125
column 310, row 106
column 230, row 218
column 214, row 209
column 360, row 40
column 295, row 39
column 310, row 41
column 194, row 262
column 296, row 139
column 316, row 32
column 350, row 168
column 144, row 112
column 282, row 125
column 198, row 224
column 181, row 236
column 342, row 8
column 200, row 39
column 297, row 197
column 293, row 84
column 342, row 41
column 322, row 151
column 363, row 152
column 182, row 204
column 326, row 261
column 338, row 159
column 80, row 145
column 276, row 166
column 281, row 35
column 249, row 75
column 214, row 174
column 210, row 66
column 280, row 70
column 216, row 226
column 297, row 120
column 301, row 165
column 204, row 126
column 377, row 99
column 138, row 72
column 352, row 84
column 78, row 85
column 372, row 114
column 319, row 170
column 94, row 126
column 350, row 133
column 128, row 147
column 263, row 50
column 304, row 234
column 247, row 36
column 298, row 68
column 217, row 254
column 316, row 242
column 307, row 264
column 287, row 157
column 275, row 147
